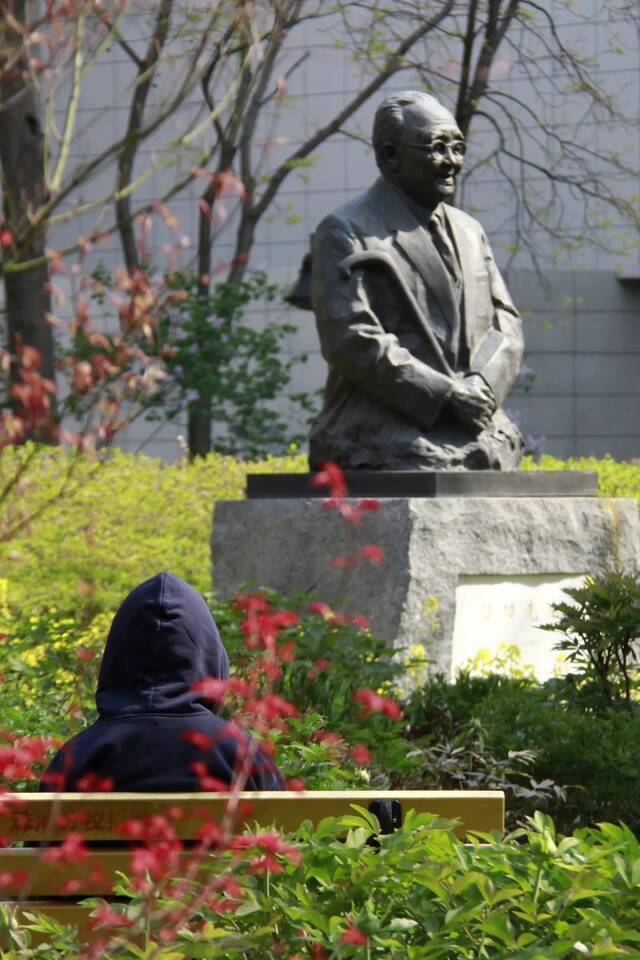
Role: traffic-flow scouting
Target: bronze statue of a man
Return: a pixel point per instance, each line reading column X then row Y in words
column 421, row 337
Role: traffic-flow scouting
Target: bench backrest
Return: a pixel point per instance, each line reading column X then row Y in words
column 47, row 818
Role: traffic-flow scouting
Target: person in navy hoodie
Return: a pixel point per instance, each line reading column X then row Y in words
column 154, row 731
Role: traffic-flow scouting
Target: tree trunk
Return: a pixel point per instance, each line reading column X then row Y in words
column 27, row 305
column 199, row 412
column 28, row 301
column 199, row 426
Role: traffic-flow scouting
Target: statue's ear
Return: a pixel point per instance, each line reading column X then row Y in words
column 388, row 159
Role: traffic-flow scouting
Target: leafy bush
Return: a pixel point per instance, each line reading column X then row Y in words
column 325, row 663
column 615, row 478
column 49, row 663
column 601, row 630
column 119, row 522
column 420, row 895
column 224, row 368
column 48, row 670
column 594, row 757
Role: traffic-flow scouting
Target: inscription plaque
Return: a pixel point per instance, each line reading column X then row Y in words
column 498, row 612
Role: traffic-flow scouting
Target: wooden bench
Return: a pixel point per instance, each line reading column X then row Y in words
column 48, row 818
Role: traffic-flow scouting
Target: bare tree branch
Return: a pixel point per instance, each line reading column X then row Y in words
column 146, row 71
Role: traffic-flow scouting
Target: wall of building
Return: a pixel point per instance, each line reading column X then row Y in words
column 582, row 335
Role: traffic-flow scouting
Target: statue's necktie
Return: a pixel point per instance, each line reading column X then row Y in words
column 443, row 245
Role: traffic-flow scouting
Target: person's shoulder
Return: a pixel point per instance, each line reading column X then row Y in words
column 349, row 216
column 464, row 220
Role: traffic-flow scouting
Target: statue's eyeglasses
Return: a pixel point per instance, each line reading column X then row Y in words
column 439, row 148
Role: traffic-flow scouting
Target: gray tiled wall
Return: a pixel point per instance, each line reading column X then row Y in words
column 582, row 336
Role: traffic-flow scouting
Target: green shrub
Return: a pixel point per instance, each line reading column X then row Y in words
column 601, row 629
column 49, row 663
column 615, row 478
column 119, row 522
column 421, row 895
column 233, row 370
column 131, row 516
column 48, row 670
column 595, row 757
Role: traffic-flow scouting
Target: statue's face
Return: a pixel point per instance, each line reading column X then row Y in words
column 428, row 158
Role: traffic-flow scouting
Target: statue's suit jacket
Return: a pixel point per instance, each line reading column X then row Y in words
column 386, row 394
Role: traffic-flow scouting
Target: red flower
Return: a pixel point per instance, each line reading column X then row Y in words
column 329, row 739
column 69, row 888
column 361, row 754
column 16, row 761
column 143, row 859
column 330, row 475
column 354, row 936
column 295, row 784
column 264, row 864
column 263, row 629
column 286, row 652
column 241, row 688
column 320, row 666
column 206, row 781
column 374, row 703
column 375, row 555
column 17, row 879
column 198, row 739
column 345, row 563
column 272, row 843
column 322, row 609
column 209, row 834
column 158, row 849
column 344, row 620
column 91, row 783
column 362, row 623
column 71, row 850
column 54, row 781
column 84, row 653
column 370, row 505
column 270, row 669
column 106, row 916
column 318, row 952
column 349, row 513
column 211, row 688
column 285, row 618
column 251, row 602
column 131, row 828
column 271, row 707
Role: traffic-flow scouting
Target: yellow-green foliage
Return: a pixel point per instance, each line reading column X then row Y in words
column 616, row 479
column 119, row 522
column 131, row 516
column 48, row 664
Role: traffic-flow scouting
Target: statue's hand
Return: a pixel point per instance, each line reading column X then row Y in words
column 472, row 402
column 475, row 380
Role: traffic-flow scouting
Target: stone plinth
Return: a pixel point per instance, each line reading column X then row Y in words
column 432, row 546
column 431, row 483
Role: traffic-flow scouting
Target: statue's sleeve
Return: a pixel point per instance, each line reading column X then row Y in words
column 498, row 357
column 353, row 339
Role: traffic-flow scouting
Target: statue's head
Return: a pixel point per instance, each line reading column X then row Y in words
column 418, row 146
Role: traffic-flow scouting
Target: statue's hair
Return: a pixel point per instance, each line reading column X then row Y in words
column 389, row 121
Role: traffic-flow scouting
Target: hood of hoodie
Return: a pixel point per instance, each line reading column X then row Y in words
column 162, row 640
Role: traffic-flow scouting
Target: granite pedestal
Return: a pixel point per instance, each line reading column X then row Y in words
column 436, row 547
